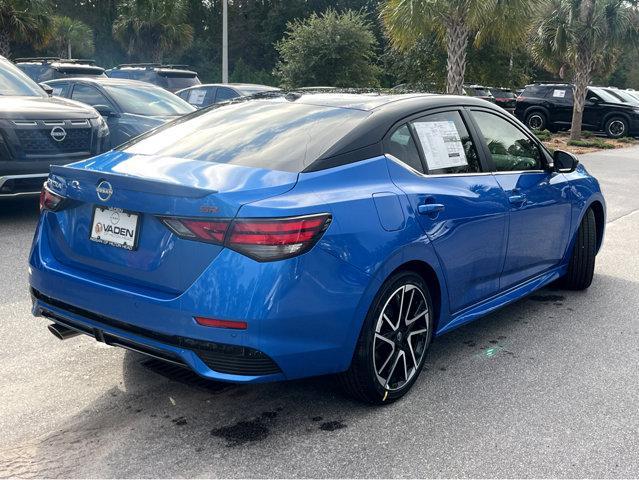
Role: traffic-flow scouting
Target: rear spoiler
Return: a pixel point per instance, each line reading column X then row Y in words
column 129, row 182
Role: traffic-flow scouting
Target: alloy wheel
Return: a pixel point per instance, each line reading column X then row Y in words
column 535, row 122
column 616, row 128
column 401, row 336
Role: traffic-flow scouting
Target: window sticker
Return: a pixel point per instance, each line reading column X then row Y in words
column 559, row 93
column 441, row 144
column 196, row 97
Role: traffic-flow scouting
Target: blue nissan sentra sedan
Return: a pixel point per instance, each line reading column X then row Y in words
column 307, row 234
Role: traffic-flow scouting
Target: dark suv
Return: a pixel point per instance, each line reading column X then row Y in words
column 42, row 69
column 169, row 77
column 479, row 91
column 504, row 97
column 37, row 131
column 549, row 106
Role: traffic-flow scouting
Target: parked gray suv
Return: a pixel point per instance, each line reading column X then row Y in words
column 37, row 131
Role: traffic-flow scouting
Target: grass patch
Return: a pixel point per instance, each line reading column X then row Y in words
column 587, row 134
column 592, row 143
column 626, row 140
column 543, row 135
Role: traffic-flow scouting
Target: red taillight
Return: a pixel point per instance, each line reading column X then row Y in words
column 213, row 322
column 49, row 200
column 202, row 229
column 261, row 239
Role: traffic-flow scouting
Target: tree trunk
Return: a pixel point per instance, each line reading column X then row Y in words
column 582, row 79
column 5, row 45
column 456, row 46
column 69, row 50
column 583, row 68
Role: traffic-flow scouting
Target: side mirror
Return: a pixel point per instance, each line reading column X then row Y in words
column 594, row 100
column 46, row 88
column 565, row 162
column 105, row 111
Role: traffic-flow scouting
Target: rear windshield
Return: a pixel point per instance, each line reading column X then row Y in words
column 80, row 71
column 273, row 134
column 479, row 92
column 148, row 100
column 503, row 94
column 178, row 83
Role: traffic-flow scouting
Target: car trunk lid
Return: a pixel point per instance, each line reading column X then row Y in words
column 151, row 187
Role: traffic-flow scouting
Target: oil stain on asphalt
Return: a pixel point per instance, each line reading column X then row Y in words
column 332, row 426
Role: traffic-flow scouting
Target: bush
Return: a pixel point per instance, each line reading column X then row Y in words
column 543, row 135
column 331, row 49
column 594, row 143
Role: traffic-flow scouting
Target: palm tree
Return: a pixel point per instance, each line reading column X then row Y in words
column 154, row 26
column 71, row 35
column 581, row 38
column 23, row 21
column 454, row 21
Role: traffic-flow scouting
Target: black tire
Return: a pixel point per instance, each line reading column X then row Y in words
column 582, row 260
column 363, row 380
column 536, row 120
column 616, row 127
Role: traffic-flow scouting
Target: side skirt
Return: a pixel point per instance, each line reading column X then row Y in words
column 501, row 300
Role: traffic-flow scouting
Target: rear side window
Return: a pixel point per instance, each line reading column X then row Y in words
column 561, row 94
column 402, row 147
column 535, row 91
column 61, row 89
column 199, row 97
column 272, row 134
column 446, row 144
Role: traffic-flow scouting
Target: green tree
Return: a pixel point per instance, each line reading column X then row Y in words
column 582, row 37
column 406, row 21
column 154, row 26
column 421, row 66
column 329, row 49
column 69, row 36
column 23, row 21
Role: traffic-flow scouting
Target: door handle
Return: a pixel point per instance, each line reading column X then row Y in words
column 517, row 199
column 430, row 208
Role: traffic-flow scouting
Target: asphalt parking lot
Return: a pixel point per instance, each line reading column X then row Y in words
column 548, row 387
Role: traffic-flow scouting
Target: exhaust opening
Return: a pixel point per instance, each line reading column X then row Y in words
column 61, row 332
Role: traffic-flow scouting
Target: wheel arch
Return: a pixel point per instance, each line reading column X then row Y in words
column 610, row 115
column 427, row 272
column 537, row 108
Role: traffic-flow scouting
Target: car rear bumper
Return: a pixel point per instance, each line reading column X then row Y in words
column 19, row 185
column 303, row 314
